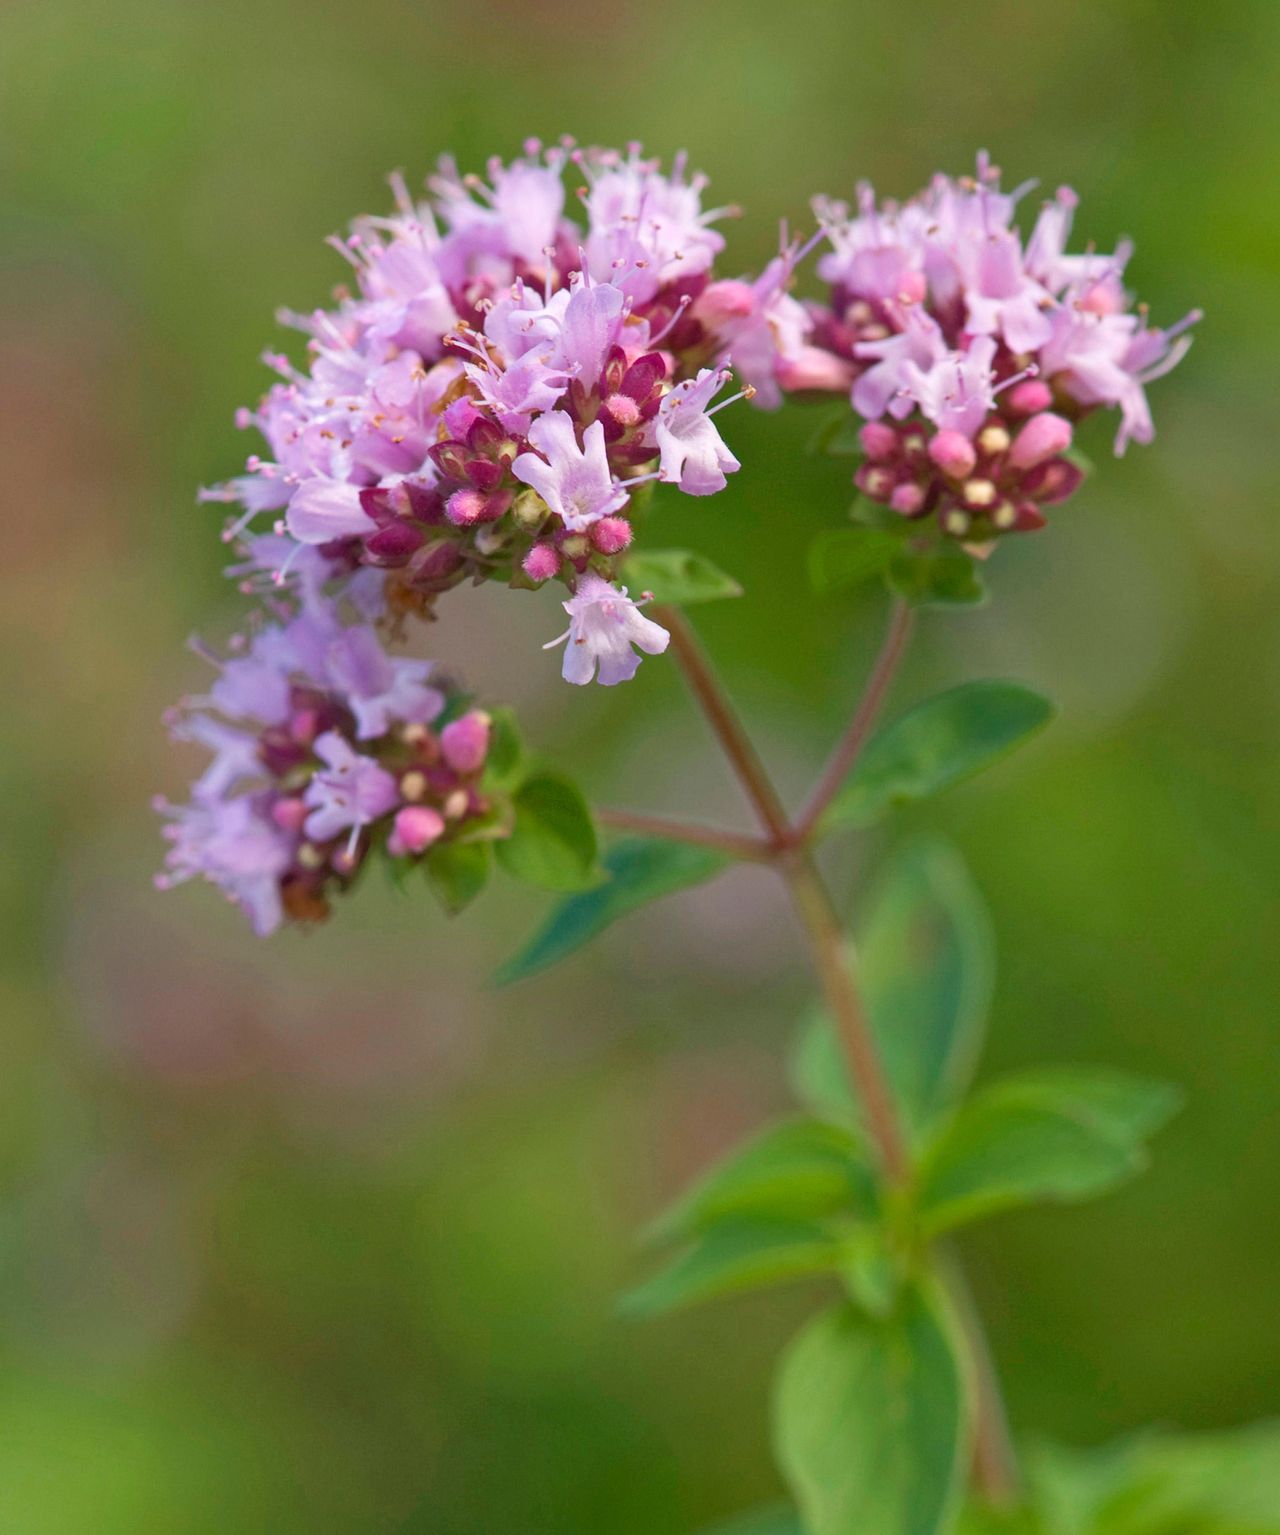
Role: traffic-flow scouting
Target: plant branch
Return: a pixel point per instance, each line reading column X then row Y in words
column 724, row 720
column 754, row 849
column 994, row 1467
column 850, row 744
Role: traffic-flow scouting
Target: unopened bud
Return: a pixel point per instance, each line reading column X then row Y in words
column 289, row 814
column 879, row 442
column 309, row 856
column 457, row 805
column 413, row 785
column 416, row 828
column 541, row 562
column 953, row 453
column 993, row 439
column 875, row 482
column 575, row 547
column 1028, row 397
column 1043, row 438
column 529, row 510
column 907, row 498
column 611, row 535
column 957, row 522
column 979, row 493
column 623, row 409
column 1004, row 516
column 465, row 742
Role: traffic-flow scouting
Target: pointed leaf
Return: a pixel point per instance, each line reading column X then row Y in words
column 553, row 841
column 939, row 743
column 800, row 1170
column 941, row 575
column 1061, row 1135
column 677, row 576
column 639, row 870
column 869, row 1422
column 737, row 1256
column 504, row 764
column 927, row 966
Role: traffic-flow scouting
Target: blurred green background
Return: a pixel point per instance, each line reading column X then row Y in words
column 324, row 1234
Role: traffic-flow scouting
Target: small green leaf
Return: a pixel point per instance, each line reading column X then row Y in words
column 458, row 872
column 775, row 1520
column 927, row 965
column 734, row 1257
column 940, row 575
column 505, row 762
column 802, row 1169
column 842, row 558
column 1064, row 1134
column 940, row 742
column 553, row 841
column 870, row 1422
column 677, row 576
column 639, row 869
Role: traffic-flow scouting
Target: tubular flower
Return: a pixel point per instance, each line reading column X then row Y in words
column 492, row 388
column 328, row 750
column 972, row 354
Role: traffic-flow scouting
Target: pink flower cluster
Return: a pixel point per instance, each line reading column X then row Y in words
column 323, row 747
column 486, row 400
column 971, row 354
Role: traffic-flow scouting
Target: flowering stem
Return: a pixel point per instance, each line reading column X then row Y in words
column 994, row 1466
column 848, row 748
column 753, row 849
column 726, row 724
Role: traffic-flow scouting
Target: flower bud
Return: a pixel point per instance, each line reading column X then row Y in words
column 879, row 442
column 1043, row 438
column 541, row 562
column 611, row 535
column 465, row 742
column 953, row 453
column 416, row 828
column 1030, row 396
column 907, row 498
column 289, row 814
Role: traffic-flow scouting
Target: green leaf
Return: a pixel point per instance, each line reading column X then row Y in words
column 870, row 1422
column 1163, row 1484
column 640, row 869
column 1060, row 1134
column 553, row 841
column 940, row 742
column 505, row 763
column 842, row 558
column 458, row 872
column 677, row 576
column 736, row 1256
column 940, row 575
column 927, row 967
column 802, row 1169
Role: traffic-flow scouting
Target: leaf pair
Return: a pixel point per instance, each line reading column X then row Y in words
column 784, row 1206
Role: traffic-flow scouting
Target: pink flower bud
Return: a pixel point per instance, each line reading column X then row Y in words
column 465, row 742
column 953, row 453
column 467, row 507
column 416, row 827
column 724, row 301
column 541, row 562
column 611, row 535
column 1043, row 438
column 289, row 814
column 623, row 409
column 879, row 442
column 813, row 367
column 1028, row 397
column 907, row 498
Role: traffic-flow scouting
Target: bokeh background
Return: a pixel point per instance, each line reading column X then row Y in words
column 324, row 1234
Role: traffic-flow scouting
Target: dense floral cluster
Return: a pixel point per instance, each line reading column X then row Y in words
column 971, row 354
column 485, row 402
column 323, row 748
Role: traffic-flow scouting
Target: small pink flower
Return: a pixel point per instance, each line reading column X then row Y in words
column 604, row 624
column 575, row 482
column 693, row 454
